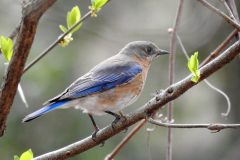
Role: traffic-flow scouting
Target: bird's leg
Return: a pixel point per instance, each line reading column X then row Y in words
column 117, row 117
column 94, row 135
column 124, row 117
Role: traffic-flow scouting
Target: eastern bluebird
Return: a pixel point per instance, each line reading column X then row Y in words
column 110, row 86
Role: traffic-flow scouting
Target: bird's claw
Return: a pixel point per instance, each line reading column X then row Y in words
column 114, row 123
column 94, row 137
column 121, row 117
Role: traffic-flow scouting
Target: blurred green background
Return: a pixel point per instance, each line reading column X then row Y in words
column 99, row 38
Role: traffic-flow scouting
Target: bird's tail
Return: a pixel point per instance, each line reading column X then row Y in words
column 44, row 110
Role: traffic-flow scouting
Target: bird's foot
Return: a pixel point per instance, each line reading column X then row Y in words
column 124, row 119
column 122, row 116
column 118, row 117
column 116, row 120
column 94, row 137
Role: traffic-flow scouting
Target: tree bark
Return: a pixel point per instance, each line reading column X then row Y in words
column 31, row 13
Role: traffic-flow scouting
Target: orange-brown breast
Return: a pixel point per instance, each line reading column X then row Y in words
column 121, row 95
column 145, row 63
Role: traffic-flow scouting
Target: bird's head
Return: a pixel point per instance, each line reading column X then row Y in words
column 144, row 50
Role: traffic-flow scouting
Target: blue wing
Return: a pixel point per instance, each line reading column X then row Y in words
column 101, row 78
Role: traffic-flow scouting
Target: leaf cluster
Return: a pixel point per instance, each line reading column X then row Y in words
column 73, row 17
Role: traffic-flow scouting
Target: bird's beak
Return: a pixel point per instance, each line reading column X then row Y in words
column 161, row 52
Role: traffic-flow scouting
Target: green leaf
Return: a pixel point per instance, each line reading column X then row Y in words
column 6, row 47
column 63, row 28
column 98, row 3
column 16, row 157
column 96, row 6
column 28, row 155
column 193, row 62
column 193, row 65
column 73, row 17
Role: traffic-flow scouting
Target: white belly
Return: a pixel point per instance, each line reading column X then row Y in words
column 90, row 104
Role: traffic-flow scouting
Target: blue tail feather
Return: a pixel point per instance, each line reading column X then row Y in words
column 44, row 110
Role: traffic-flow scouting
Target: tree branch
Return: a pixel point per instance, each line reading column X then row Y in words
column 31, row 13
column 234, row 11
column 116, row 150
column 55, row 43
column 216, row 52
column 169, row 94
column 220, row 48
column 230, row 13
column 220, row 13
column 216, row 127
column 172, row 61
column 60, row 38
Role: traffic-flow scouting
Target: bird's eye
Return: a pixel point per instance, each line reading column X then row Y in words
column 149, row 49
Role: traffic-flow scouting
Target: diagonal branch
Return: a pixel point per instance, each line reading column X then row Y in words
column 31, row 13
column 216, row 127
column 55, row 43
column 220, row 48
column 116, row 150
column 229, row 10
column 169, row 94
column 220, row 13
column 60, row 38
column 233, row 10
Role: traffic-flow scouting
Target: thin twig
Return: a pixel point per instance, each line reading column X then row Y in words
column 233, row 8
column 220, row 48
column 182, row 47
column 55, row 43
column 60, row 38
column 211, row 126
column 148, row 132
column 30, row 18
column 15, row 32
column 234, row 11
column 220, row 13
column 223, row 94
column 172, row 60
column 229, row 10
column 207, row 82
column 125, row 140
column 19, row 88
column 157, row 102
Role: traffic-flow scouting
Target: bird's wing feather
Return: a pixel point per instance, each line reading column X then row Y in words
column 101, row 78
column 44, row 110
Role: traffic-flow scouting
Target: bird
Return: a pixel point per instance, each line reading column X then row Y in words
column 110, row 86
